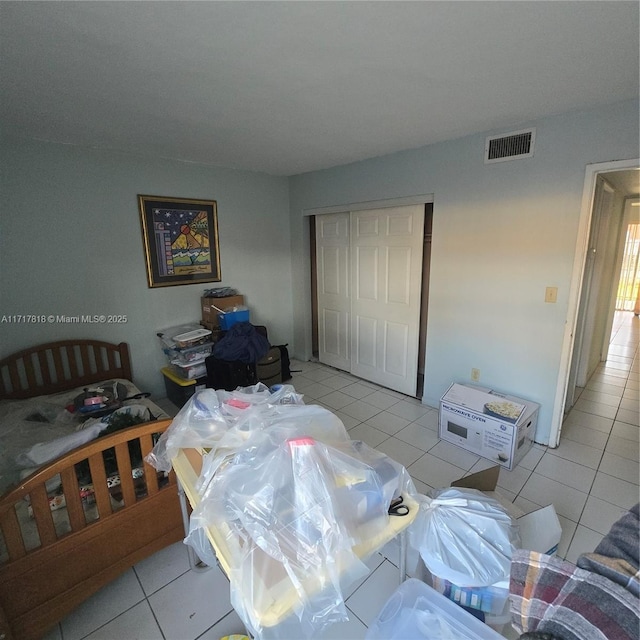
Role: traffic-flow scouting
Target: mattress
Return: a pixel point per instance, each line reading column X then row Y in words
column 44, row 420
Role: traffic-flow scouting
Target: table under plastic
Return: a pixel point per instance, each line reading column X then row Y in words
column 275, row 598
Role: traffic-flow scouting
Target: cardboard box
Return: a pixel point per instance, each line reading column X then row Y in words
column 490, row 424
column 540, row 530
column 210, row 313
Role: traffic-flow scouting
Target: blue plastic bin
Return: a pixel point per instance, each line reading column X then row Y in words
column 227, row 320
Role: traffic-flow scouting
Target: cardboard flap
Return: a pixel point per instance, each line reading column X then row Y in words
column 482, row 481
column 540, row 530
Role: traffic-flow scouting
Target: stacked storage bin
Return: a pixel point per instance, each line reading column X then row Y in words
column 186, row 348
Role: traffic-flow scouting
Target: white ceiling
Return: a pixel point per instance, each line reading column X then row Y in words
column 289, row 87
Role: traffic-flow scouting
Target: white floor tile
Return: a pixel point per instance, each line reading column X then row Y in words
column 583, row 435
column 454, row 455
column 357, row 390
column 137, row 623
column 400, row 451
column 584, row 541
column 566, row 472
column 589, row 420
column 533, row 457
column 596, row 408
column 568, row 529
column 567, row 501
column 600, row 515
column 336, row 400
column 603, row 387
column 372, row 436
column 527, row 506
column 360, row 410
column 630, row 417
column 373, row 562
column 166, row 565
column 429, row 420
column 435, row 472
column 381, row 400
column 626, row 431
column 418, row 436
column 578, row 453
column 513, row 480
column 348, row 421
column 409, row 410
column 320, row 373
column 369, row 599
column 602, row 379
column 191, row 604
column 601, row 397
column 629, row 404
column 613, row 381
column 103, row 606
column 387, row 422
column 338, row 382
column 422, row 487
column 623, row 448
column 481, row 465
column 619, row 467
column 619, row 492
column 631, row 394
column 315, row 391
column 230, row 624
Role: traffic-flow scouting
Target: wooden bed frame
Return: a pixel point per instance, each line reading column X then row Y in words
column 39, row 587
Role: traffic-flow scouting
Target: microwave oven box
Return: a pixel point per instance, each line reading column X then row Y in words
column 210, row 313
column 493, row 425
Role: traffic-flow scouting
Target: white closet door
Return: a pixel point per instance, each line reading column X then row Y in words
column 386, row 275
column 332, row 245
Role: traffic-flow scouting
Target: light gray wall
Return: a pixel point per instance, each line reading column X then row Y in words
column 501, row 234
column 71, row 244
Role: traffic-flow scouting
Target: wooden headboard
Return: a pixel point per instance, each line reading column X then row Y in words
column 59, row 366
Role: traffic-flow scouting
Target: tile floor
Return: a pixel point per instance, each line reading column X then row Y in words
column 592, row 478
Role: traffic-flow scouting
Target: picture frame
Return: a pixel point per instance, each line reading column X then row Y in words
column 181, row 243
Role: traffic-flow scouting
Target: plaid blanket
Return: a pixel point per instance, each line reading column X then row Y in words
column 550, row 595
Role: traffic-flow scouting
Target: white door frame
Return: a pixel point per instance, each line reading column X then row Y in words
column 584, row 227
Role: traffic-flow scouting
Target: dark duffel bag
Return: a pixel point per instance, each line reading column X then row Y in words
column 269, row 368
column 229, row 375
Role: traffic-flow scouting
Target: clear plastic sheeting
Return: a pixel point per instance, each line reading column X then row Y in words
column 292, row 509
column 290, row 503
column 209, row 415
column 465, row 537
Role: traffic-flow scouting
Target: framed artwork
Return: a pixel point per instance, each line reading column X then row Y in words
column 180, row 240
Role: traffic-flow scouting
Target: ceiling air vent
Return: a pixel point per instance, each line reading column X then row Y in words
column 509, row 146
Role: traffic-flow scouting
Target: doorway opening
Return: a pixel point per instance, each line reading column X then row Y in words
column 628, row 293
column 610, row 191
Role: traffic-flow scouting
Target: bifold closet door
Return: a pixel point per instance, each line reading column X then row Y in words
column 386, row 284
column 333, row 283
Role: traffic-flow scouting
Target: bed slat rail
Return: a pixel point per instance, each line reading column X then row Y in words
column 147, row 504
column 59, row 366
column 33, row 491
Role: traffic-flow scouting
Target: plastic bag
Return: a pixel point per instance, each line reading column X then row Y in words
column 292, row 509
column 200, row 423
column 465, row 537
